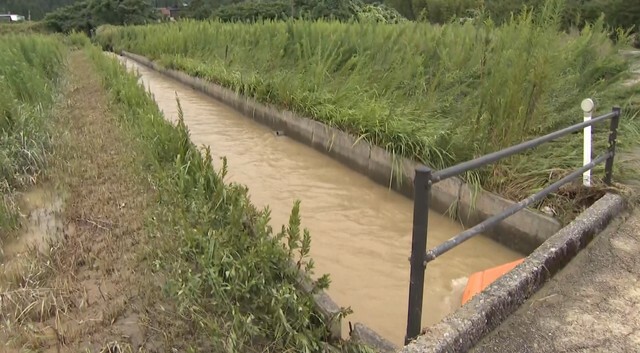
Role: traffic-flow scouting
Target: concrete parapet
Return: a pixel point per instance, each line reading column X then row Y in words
column 364, row 335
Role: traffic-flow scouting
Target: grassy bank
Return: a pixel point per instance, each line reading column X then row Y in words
column 30, row 68
column 228, row 272
column 438, row 94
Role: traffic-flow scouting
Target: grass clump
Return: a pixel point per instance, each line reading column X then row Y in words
column 77, row 40
column 438, row 94
column 30, row 68
column 233, row 278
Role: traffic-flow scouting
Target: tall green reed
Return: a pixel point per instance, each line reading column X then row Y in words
column 30, row 68
column 438, row 94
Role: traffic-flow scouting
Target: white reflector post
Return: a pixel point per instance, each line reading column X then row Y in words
column 587, row 106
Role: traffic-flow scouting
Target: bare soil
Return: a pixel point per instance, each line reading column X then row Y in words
column 89, row 290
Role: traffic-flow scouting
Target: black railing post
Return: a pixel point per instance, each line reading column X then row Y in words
column 613, row 136
column 422, row 194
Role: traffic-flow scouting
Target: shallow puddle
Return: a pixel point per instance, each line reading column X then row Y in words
column 40, row 210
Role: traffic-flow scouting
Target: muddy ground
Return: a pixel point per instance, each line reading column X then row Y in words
column 83, row 287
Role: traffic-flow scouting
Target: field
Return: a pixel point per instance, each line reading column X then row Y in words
column 153, row 246
column 438, row 94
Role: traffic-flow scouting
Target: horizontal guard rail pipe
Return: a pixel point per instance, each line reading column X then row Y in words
column 425, row 178
column 495, row 156
column 481, row 227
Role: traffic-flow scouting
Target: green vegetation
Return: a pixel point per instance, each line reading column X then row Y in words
column 437, row 94
column 23, row 28
column 30, row 68
column 251, row 11
column 623, row 14
column 37, row 8
column 85, row 16
column 247, row 12
column 67, row 15
column 232, row 277
column 589, row 10
column 617, row 14
column 77, row 40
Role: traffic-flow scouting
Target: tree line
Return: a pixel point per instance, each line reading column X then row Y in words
column 237, row 10
column 618, row 13
column 65, row 15
column 37, row 8
column 86, row 15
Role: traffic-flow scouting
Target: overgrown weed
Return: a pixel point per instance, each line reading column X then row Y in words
column 438, row 94
column 77, row 40
column 30, row 68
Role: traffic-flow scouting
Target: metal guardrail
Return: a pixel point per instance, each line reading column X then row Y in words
column 426, row 177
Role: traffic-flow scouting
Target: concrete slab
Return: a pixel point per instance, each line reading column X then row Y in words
column 348, row 150
column 524, row 231
column 259, row 113
column 327, row 308
column 446, row 197
column 322, row 137
column 300, row 129
column 380, row 166
column 363, row 334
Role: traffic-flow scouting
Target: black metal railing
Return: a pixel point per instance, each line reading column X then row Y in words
column 426, row 177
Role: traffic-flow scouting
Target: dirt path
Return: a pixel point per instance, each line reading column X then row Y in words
column 590, row 306
column 86, row 292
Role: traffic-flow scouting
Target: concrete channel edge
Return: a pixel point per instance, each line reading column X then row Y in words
column 464, row 328
column 525, row 231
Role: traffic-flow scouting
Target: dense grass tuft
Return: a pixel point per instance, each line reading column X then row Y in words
column 77, row 40
column 30, row 68
column 438, row 94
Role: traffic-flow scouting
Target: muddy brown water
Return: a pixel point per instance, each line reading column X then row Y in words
column 361, row 231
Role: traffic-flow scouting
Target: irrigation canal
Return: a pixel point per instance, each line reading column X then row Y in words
column 361, row 231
